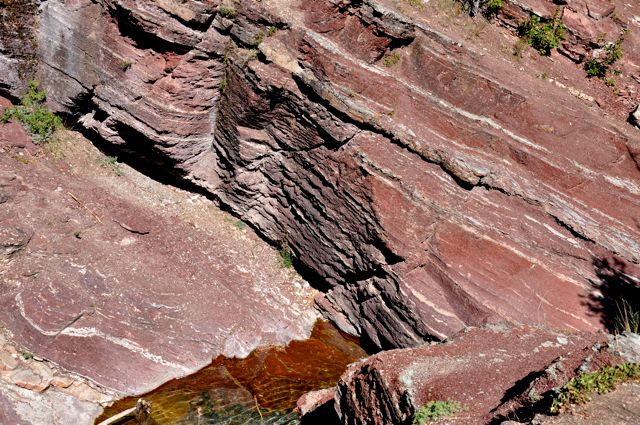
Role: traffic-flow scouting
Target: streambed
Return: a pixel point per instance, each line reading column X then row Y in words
column 262, row 388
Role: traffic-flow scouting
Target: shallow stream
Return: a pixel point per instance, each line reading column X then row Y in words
column 260, row 389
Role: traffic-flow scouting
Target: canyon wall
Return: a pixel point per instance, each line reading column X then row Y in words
column 426, row 177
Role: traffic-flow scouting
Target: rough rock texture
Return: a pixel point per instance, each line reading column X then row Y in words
column 495, row 373
column 127, row 281
column 21, row 406
column 35, row 391
column 449, row 189
column 317, row 407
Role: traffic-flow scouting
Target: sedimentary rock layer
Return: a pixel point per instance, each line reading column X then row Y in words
column 490, row 374
column 427, row 184
column 126, row 281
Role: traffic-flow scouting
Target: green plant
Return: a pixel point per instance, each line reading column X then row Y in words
column 415, row 3
column 239, row 224
column 286, row 259
column 435, row 410
column 580, row 388
column 37, row 120
column 542, row 35
column 595, row 68
column 391, row 59
column 125, row 65
column 27, row 355
column 627, row 318
column 227, row 11
column 272, row 30
column 223, row 84
column 610, row 82
column 598, row 67
column 258, row 38
column 111, row 162
column 614, row 51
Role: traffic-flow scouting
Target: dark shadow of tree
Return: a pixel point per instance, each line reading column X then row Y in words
column 617, row 300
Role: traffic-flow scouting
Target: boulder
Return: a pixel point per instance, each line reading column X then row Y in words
column 492, row 374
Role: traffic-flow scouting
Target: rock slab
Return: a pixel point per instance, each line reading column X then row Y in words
column 495, row 374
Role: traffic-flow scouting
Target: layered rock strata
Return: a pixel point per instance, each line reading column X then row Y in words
column 428, row 182
column 126, row 281
column 491, row 374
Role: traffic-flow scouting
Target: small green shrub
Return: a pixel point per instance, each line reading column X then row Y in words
column 272, row 30
column 610, row 82
column 27, row 355
column 286, row 259
column 614, row 51
column 415, row 3
column 391, row 59
column 125, row 65
column 227, row 11
column 434, row 410
column 580, row 388
column 36, row 119
column 598, row 67
column 542, row 35
column 223, row 85
column 595, row 68
column 259, row 38
column 111, row 162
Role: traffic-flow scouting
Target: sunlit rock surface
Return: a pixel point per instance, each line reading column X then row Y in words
column 456, row 186
column 125, row 280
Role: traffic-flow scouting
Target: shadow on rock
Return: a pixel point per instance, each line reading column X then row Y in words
column 617, row 300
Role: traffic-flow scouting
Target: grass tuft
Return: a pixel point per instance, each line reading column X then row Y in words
column 228, row 12
column 581, row 387
column 542, row 35
column 286, row 258
column 391, row 59
column 36, row 119
column 435, row 410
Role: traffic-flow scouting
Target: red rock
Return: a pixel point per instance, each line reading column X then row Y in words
column 315, row 399
column 104, row 278
column 493, row 373
column 451, row 189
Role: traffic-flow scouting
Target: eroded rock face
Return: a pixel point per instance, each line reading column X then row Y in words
column 450, row 188
column 124, row 280
column 494, row 373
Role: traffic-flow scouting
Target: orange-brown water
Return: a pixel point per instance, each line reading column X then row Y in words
column 263, row 388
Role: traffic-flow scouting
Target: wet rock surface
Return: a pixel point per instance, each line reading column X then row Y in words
column 126, row 281
column 262, row 388
column 453, row 187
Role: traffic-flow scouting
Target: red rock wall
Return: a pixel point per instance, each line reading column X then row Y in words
column 445, row 191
